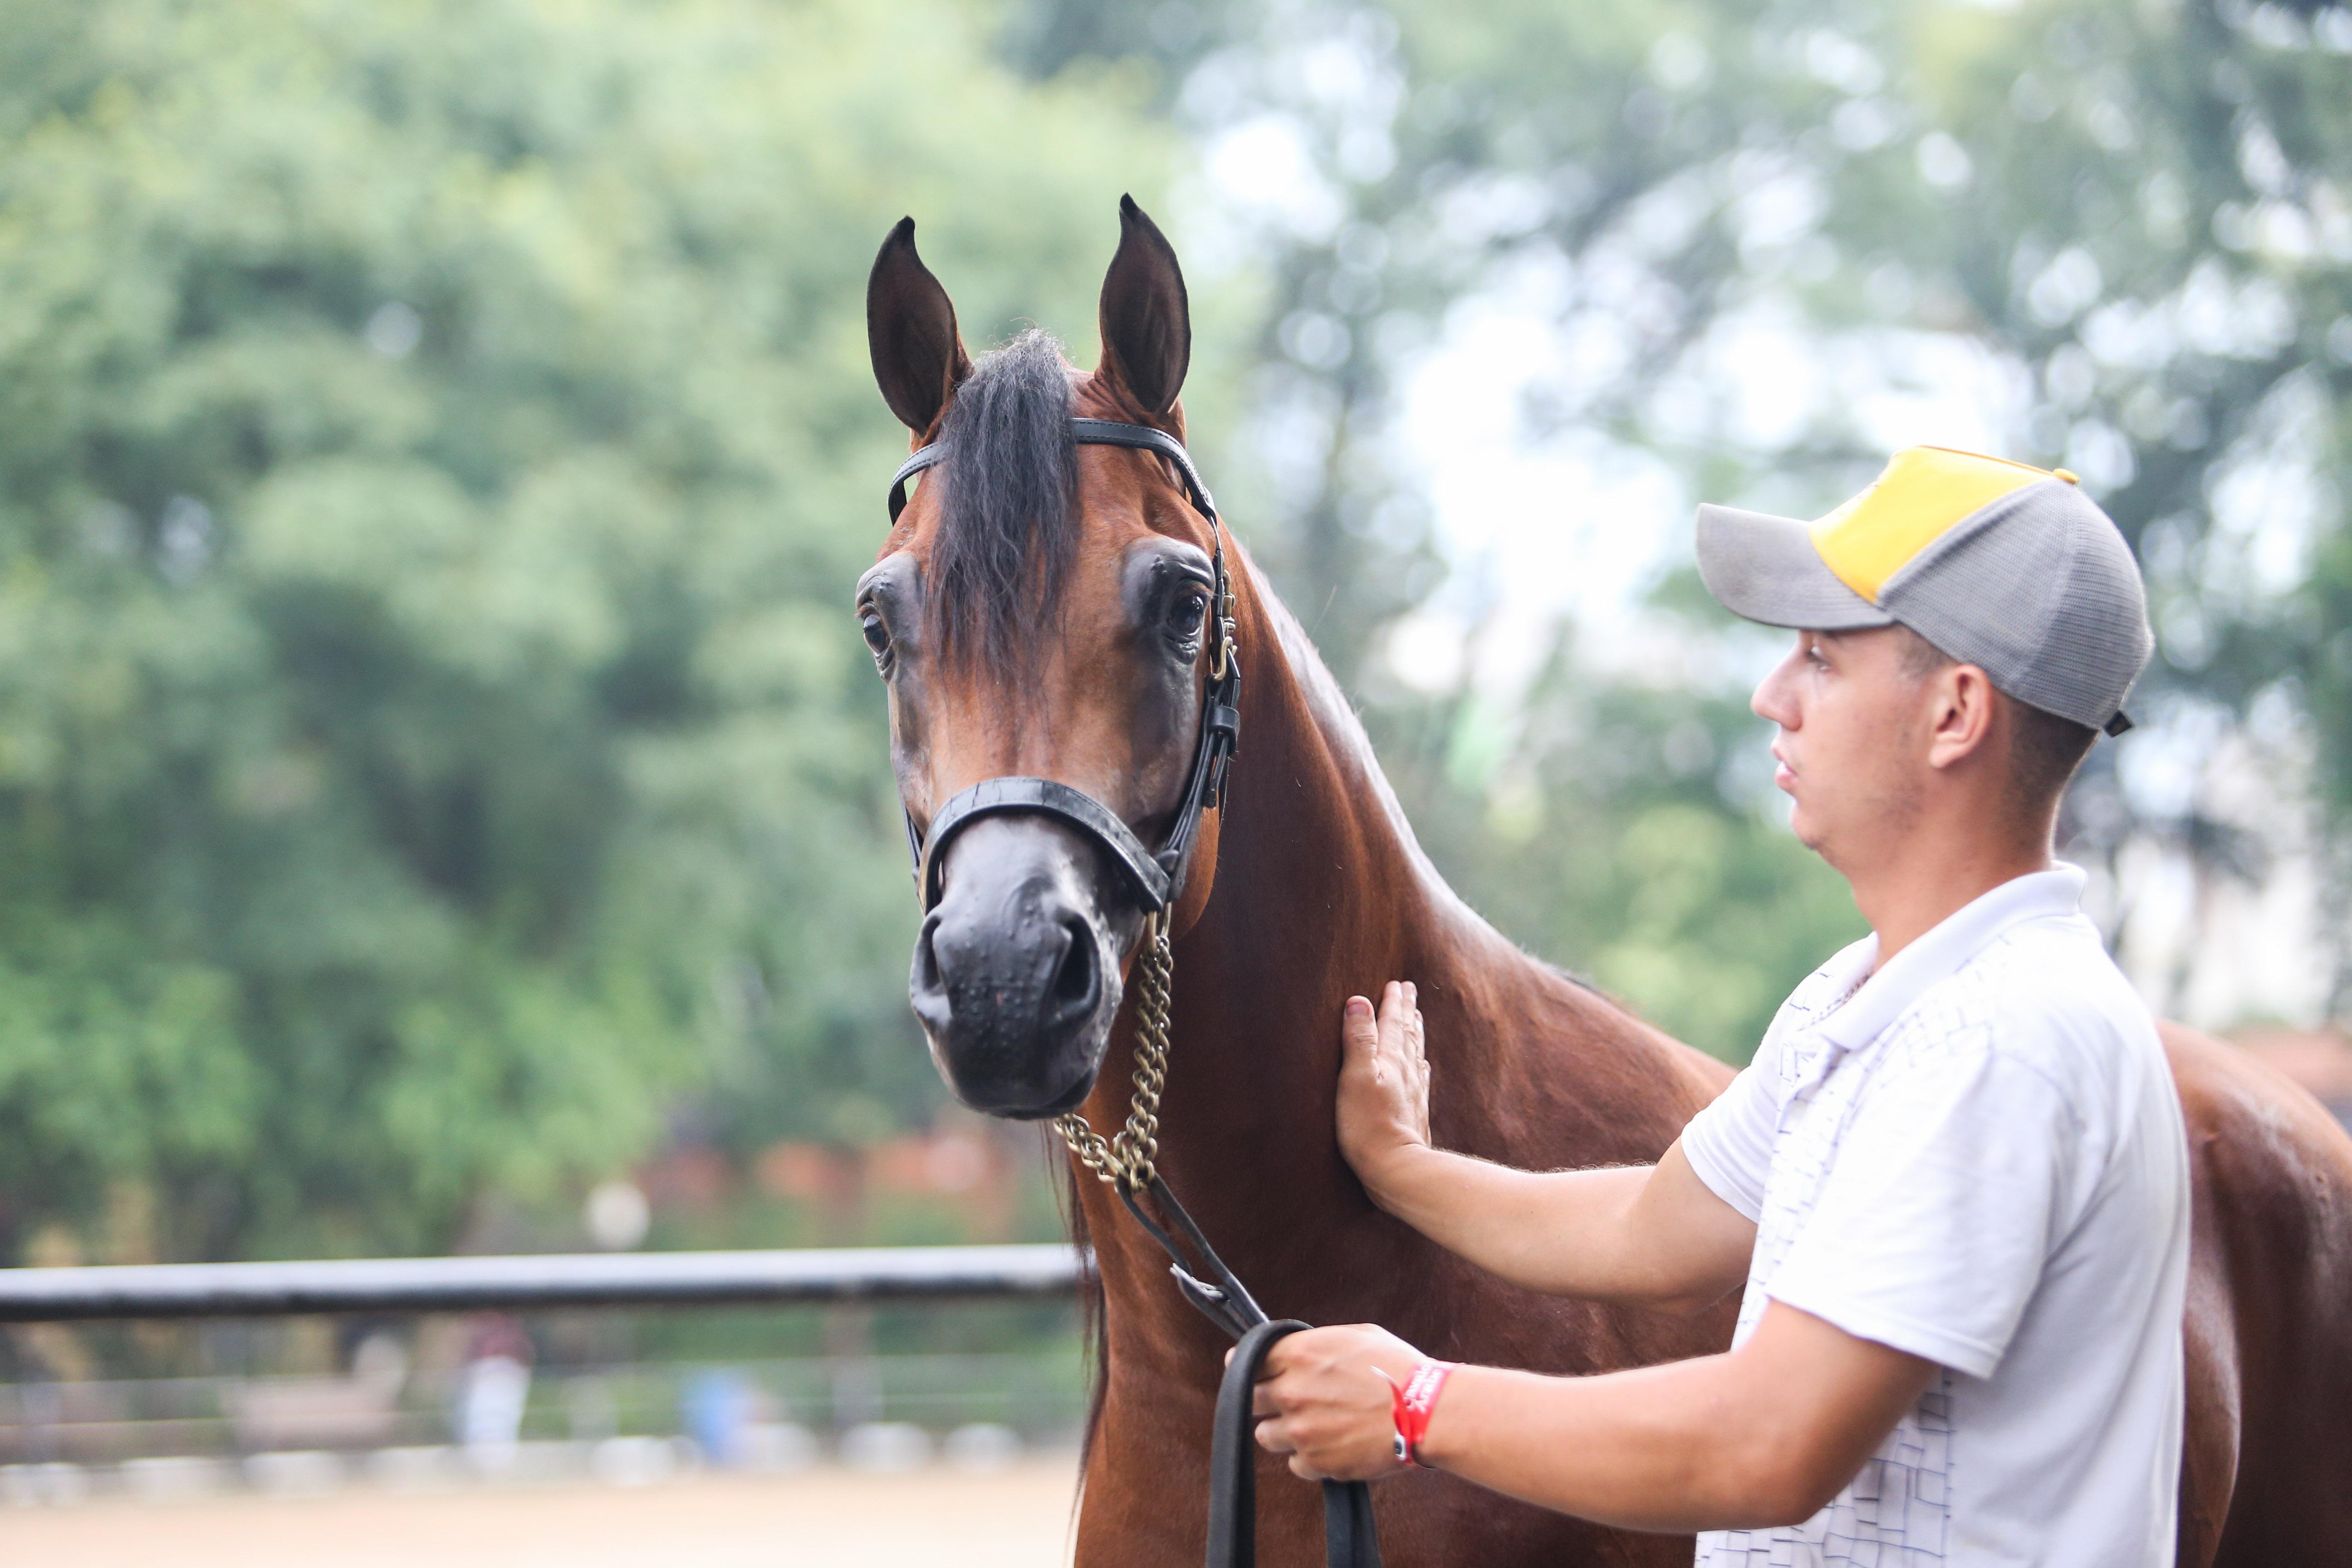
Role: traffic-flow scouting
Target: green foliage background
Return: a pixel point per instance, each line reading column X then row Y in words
column 436, row 444
column 435, row 450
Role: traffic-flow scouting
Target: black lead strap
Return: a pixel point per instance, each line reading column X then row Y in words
column 1156, row 877
column 1350, row 1537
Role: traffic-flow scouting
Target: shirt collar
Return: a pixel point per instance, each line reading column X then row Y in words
column 1942, row 952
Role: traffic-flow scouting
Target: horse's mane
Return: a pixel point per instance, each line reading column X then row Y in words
column 1007, row 528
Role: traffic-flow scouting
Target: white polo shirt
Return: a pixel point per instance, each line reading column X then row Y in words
column 1976, row 1155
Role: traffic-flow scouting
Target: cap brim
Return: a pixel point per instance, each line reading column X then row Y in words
column 1765, row 569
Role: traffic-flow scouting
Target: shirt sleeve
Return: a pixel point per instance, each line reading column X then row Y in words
column 1943, row 1200
column 1729, row 1142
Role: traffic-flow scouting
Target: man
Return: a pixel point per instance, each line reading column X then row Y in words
column 1954, row 1181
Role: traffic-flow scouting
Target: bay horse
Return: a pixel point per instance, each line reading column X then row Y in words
column 1043, row 608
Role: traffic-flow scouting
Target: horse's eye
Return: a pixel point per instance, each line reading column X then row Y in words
column 877, row 635
column 1185, row 616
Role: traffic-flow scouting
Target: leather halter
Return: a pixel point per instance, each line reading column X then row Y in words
column 1154, row 877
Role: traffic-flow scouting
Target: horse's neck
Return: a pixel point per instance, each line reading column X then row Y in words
column 1320, row 891
column 1322, row 787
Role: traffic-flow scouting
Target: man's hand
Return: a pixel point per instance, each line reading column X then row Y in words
column 1383, row 1085
column 1657, row 1236
column 1324, row 1398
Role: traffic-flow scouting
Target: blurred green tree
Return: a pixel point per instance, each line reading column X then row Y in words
column 2131, row 222
column 435, row 450
column 1611, row 822
column 2145, row 210
column 436, row 444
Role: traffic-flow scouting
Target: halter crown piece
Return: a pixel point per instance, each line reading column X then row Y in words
column 1128, row 1162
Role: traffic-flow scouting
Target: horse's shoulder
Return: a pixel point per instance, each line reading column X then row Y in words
column 1560, row 1019
column 2227, row 1092
column 2260, row 1145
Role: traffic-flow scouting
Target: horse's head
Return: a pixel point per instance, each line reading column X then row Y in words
column 1040, row 611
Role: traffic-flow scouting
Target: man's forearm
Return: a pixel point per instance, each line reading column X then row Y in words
column 1561, row 1232
column 1646, row 1449
column 1759, row 1437
column 1653, row 1235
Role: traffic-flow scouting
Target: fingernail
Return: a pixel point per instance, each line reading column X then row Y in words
column 1359, row 1008
column 1411, row 990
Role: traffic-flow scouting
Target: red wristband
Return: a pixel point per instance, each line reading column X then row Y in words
column 1410, row 1404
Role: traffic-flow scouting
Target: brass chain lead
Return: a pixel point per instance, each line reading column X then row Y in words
column 1129, row 1158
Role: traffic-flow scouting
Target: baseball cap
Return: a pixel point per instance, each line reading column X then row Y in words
column 2002, row 565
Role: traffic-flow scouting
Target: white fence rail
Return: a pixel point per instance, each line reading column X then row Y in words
column 860, row 1274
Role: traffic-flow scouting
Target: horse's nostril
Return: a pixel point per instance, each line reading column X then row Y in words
column 927, row 958
column 1074, row 989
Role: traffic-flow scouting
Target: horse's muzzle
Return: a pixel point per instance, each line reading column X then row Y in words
column 1017, row 972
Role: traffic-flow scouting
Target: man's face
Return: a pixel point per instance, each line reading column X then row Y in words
column 1852, row 718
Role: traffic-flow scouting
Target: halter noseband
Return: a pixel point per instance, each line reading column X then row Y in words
column 1155, row 878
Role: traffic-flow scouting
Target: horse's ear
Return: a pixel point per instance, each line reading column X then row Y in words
column 910, row 330
column 1147, row 323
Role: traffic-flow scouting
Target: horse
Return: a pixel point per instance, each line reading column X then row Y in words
column 1047, row 610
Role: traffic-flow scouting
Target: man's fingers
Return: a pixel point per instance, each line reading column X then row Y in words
column 1274, row 1437
column 1361, row 1025
column 1401, row 1021
column 1386, row 1040
column 1273, row 1388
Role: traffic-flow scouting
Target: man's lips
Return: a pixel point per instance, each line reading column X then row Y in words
column 1783, row 776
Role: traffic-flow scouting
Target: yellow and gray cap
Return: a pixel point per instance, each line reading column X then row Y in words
column 2000, row 565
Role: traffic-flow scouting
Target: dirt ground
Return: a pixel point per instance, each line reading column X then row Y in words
column 1014, row 1517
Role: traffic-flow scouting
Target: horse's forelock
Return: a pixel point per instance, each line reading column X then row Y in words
column 1007, row 526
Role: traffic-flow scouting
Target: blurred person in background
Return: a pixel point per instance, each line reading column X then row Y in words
column 492, row 1390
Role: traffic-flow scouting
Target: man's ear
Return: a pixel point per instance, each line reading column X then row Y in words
column 910, row 330
column 1146, row 322
column 1961, row 707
